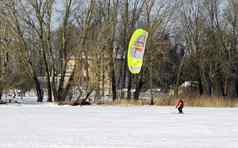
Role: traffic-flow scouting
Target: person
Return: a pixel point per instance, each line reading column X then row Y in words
column 180, row 105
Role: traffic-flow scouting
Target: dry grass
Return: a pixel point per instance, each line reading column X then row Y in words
column 212, row 102
column 123, row 102
column 201, row 101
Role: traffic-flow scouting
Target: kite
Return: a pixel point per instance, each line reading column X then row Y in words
column 136, row 50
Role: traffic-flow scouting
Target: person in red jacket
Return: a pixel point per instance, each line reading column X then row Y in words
column 180, row 105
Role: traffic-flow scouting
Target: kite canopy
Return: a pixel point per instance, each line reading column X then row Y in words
column 136, row 50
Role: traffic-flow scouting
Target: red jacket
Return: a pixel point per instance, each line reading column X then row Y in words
column 180, row 103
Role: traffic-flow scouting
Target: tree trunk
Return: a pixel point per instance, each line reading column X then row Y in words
column 125, row 74
column 54, row 86
column 129, row 86
column 236, row 87
column 48, row 77
column 200, row 86
column 151, row 81
column 114, row 88
column 209, row 85
column 0, row 94
column 60, row 91
column 151, row 90
column 39, row 91
column 125, row 43
column 222, row 88
column 138, row 87
column 113, row 76
column 49, row 89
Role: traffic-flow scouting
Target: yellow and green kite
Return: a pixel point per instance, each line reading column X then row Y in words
column 136, row 50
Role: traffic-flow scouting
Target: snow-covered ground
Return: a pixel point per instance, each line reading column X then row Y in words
column 50, row 126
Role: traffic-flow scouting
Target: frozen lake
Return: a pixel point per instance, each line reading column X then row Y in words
column 49, row 126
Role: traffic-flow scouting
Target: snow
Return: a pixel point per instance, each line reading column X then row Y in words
column 51, row 126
